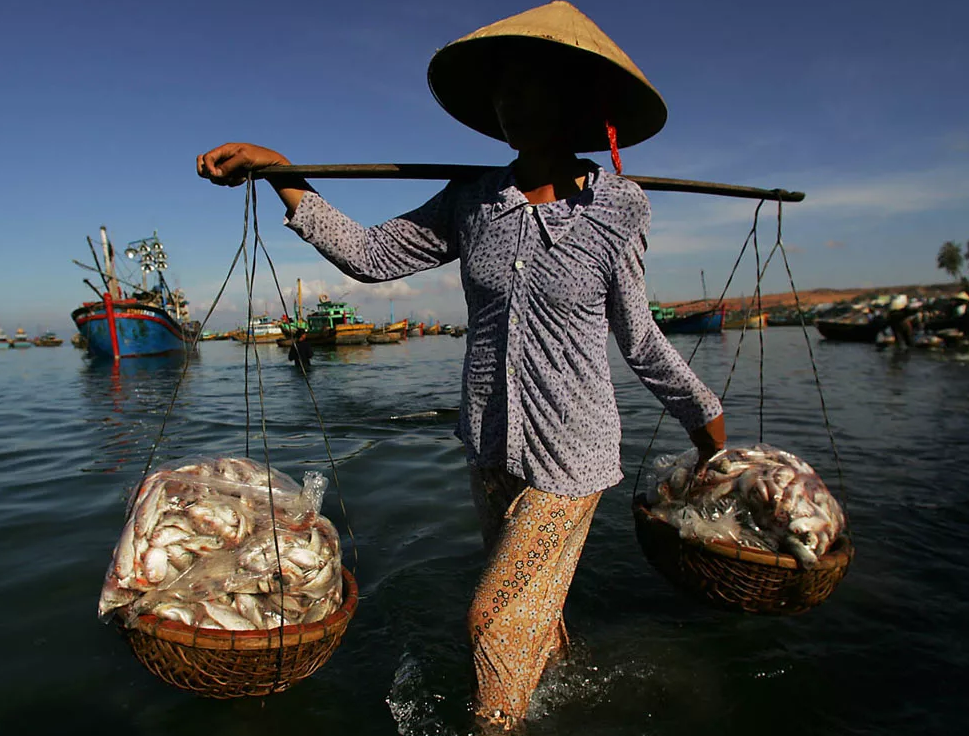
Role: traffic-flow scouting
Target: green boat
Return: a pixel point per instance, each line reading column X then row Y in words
column 331, row 323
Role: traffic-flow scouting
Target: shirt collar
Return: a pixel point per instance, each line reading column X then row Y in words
column 509, row 197
column 557, row 218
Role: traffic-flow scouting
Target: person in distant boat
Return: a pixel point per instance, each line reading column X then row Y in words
column 551, row 249
column 300, row 351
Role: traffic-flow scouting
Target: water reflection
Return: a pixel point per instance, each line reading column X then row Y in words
column 126, row 401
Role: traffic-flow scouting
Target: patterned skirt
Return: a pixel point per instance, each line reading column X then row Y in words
column 534, row 540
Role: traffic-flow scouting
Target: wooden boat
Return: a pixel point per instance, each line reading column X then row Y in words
column 261, row 330
column 383, row 338
column 20, row 339
column 395, row 330
column 4, row 340
column 849, row 331
column 434, row 329
column 331, row 323
column 708, row 321
column 753, row 322
column 416, row 330
column 150, row 322
column 48, row 340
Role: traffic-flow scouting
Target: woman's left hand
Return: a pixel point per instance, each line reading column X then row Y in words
column 709, row 440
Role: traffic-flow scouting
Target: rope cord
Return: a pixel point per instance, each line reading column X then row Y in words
column 250, row 284
column 181, row 377
column 761, row 270
column 723, row 293
column 309, row 388
column 842, row 492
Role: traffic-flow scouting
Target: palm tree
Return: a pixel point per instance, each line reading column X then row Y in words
column 950, row 258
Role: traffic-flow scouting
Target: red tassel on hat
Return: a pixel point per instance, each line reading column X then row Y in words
column 614, row 147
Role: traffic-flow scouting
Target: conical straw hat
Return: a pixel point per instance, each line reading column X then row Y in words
column 462, row 76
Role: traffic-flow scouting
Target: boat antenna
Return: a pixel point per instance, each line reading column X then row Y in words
column 97, row 263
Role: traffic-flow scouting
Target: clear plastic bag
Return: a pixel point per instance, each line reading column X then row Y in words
column 199, row 546
column 758, row 496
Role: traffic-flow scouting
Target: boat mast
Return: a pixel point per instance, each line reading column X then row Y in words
column 109, row 263
column 299, row 298
column 703, row 283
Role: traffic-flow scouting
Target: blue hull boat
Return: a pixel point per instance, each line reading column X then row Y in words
column 708, row 322
column 128, row 328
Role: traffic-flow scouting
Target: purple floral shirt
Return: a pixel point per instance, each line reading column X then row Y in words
column 543, row 284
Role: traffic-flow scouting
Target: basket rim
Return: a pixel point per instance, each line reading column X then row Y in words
column 209, row 638
column 839, row 554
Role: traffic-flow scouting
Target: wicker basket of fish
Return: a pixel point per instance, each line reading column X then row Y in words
column 756, row 530
column 226, row 580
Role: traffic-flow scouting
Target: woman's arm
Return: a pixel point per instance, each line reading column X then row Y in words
column 650, row 355
column 416, row 241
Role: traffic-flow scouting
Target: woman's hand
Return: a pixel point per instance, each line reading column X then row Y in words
column 709, row 440
column 230, row 163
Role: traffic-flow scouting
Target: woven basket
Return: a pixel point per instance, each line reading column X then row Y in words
column 738, row 578
column 232, row 664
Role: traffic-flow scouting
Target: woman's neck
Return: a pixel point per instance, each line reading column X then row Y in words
column 544, row 176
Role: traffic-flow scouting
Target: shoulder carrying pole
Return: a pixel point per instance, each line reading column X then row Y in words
column 466, row 172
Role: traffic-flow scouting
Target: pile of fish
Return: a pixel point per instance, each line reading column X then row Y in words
column 199, row 546
column 758, row 496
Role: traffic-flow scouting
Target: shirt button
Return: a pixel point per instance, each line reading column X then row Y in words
column 514, row 320
column 529, row 209
column 519, row 264
column 511, row 371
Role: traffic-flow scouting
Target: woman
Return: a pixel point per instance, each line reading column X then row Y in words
column 551, row 250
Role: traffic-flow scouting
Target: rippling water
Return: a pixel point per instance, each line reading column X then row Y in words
column 887, row 653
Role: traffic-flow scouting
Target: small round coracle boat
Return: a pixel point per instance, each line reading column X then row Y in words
column 220, row 663
column 733, row 577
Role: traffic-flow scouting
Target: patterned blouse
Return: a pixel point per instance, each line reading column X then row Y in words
column 544, row 284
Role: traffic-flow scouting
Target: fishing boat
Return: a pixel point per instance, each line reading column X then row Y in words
column 434, row 329
column 416, row 330
column 48, row 340
column 751, row 322
column 709, row 321
column 20, row 339
column 331, row 323
column 149, row 321
column 394, row 329
column 4, row 340
column 262, row 329
column 383, row 338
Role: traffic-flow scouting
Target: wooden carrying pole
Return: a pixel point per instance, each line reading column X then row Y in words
column 467, row 172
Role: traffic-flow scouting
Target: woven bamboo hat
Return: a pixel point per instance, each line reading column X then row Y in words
column 463, row 75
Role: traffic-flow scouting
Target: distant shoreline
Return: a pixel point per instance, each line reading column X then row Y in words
column 813, row 297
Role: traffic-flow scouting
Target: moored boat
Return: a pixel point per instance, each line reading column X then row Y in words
column 20, row 339
column 395, row 331
column 850, row 331
column 149, row 322
column 261, row 329
column 751, row 322
column 331, row 323
column 48, row 340
column 708, row 321
column 4, row 340
column 416, row 330
column 434, row 329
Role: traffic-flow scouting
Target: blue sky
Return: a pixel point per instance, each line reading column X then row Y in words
column 862, row 104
